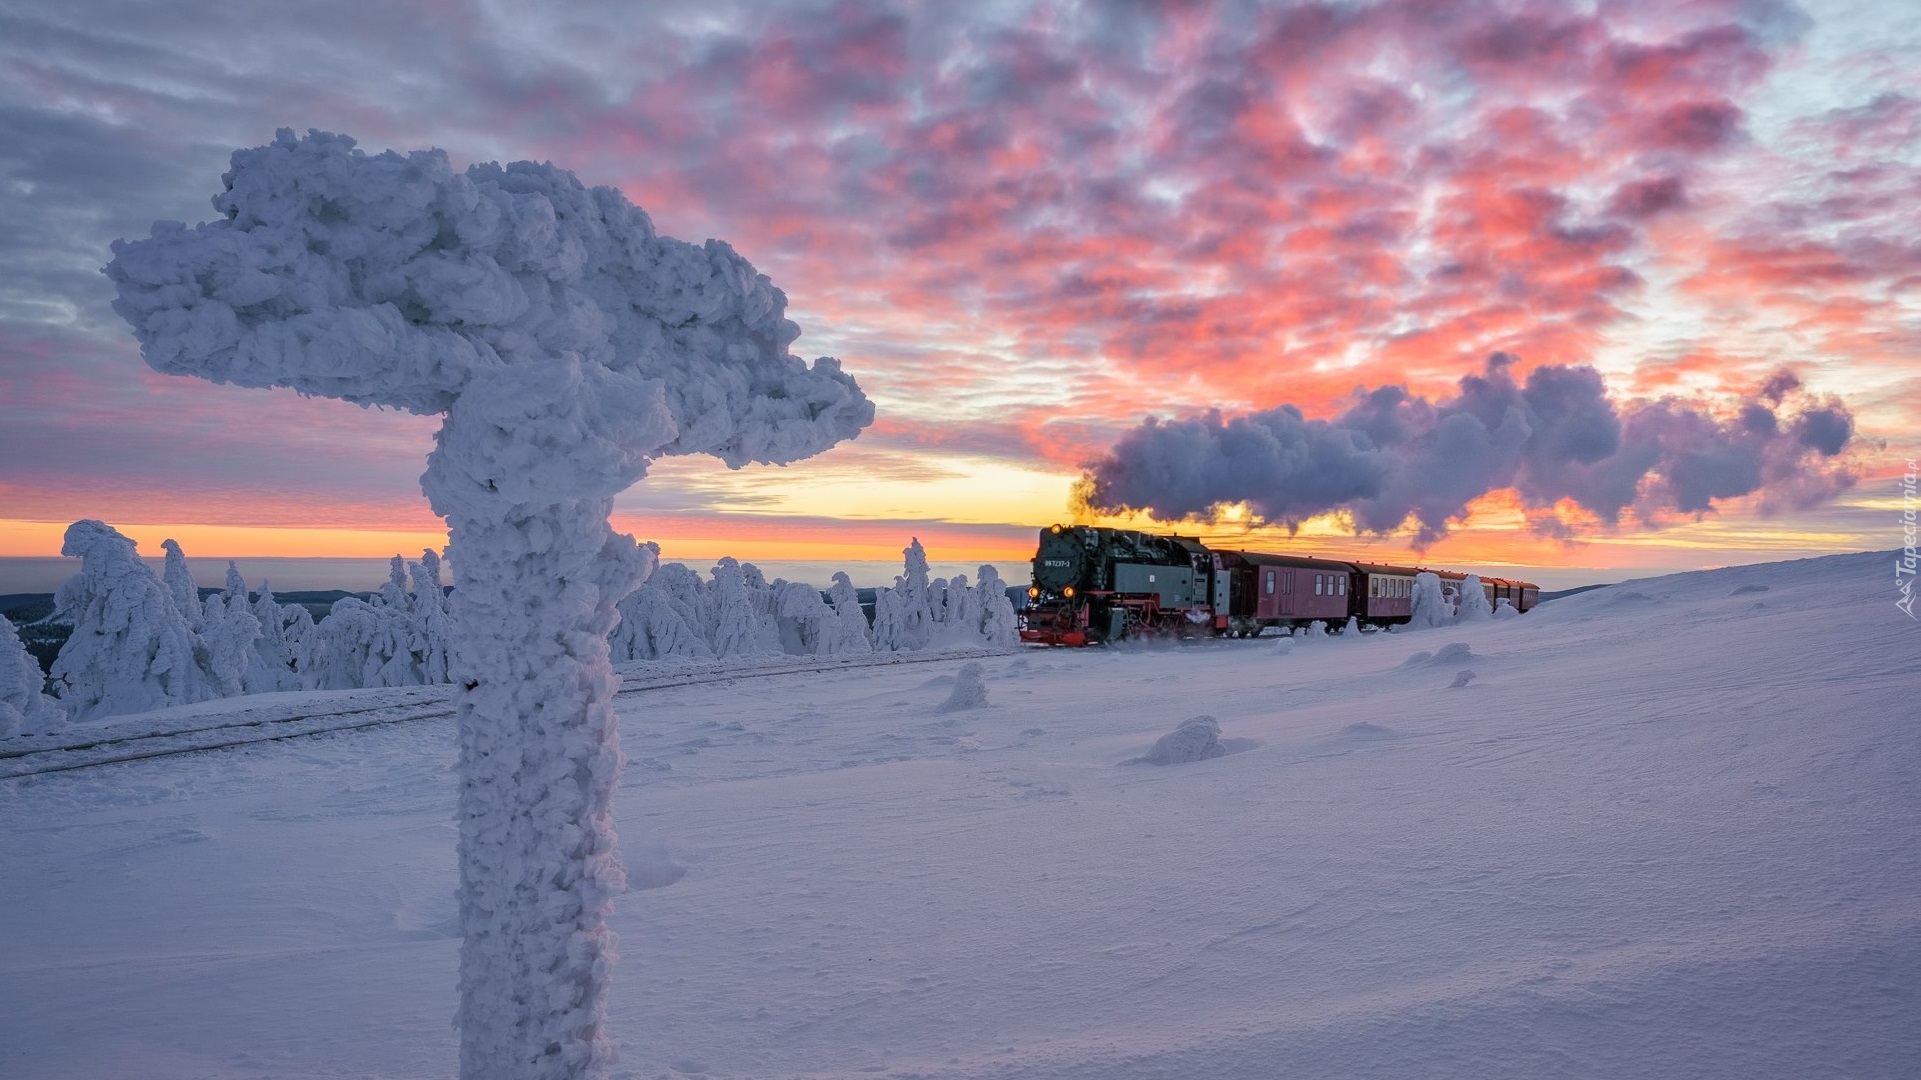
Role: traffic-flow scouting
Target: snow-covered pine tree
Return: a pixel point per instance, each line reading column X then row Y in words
column 762, row 596
column 180, row 584
column 1429, row 606
column 805, row 620
column 999, row 627
column 690, row 598
column 358, row 644
column 961, row 621
column 25, row 709
column 1473, row 605
column 651, row 628
column 131, row 649
column 428, row 631
column 849, row 632
column 889, row 627
column 737, row 624
column 280, row 633
column 915, row 610
column 229, row 630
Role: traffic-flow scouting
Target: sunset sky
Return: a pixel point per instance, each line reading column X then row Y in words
column 1025, row 228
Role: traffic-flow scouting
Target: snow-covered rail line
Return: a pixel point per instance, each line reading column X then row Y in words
column 164, row 736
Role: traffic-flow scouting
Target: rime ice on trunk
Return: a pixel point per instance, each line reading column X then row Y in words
column 567, row 345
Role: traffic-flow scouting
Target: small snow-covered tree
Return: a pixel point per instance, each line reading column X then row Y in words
column 1429, row 606
column 25, row 709
column 131, row 649
column 651, row 628
column 849, row 631
column 228, row 631
column 688, row 595
column 915, row 607
column 261, row 670
column 178, row 579
column 737, row 623
column 280, row 632
column 1473, row 605
column 358, row 644
column 429, row 629
column 760, row 596
column 999, row 627
column 803, row 617
column 889, row 622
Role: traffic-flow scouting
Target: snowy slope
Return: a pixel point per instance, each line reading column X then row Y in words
column 1669, row 829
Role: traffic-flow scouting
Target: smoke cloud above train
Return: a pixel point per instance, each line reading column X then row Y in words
column 1394, row 457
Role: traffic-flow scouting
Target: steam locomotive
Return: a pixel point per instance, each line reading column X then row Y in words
column 1093, row 585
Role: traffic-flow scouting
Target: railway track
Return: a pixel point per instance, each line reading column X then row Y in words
column 166, row 735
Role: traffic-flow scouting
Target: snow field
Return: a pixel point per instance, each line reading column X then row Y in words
column 1669, row 830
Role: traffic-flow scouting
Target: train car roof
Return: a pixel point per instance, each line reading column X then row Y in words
column 1264, row 558
column 1384, row 568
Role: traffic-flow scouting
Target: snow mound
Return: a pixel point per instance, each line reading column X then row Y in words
column 1454, row 652
column 1196, row 739
column 969, row 691
column 1461, row 678
column 1750, row 588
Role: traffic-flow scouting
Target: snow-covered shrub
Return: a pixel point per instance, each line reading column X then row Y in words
column 1504, row 608
column 25, row 709
column 1429, row 606
column 131, row 649
column 760, row 596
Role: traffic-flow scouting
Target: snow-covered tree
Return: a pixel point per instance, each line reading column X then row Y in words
column 688, row 595
column 429, row 626
column 567, row 345
column 803, row 617
column 228, row 631
column 131, row 649
column 1504, row 609
column 961, row 614
column 915, row 607
column 849, row 631
column 25, row 709
column 651, row 628
column 760, row 596
column 281, row 628
column 737, row 630
column 358, row 644
column 180, row 584
column 1473, row 605
column 999, row 627
column 1429, row 606
column 889, row 622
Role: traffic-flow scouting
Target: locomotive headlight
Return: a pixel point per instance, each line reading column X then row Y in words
column 1055, row 529
column 1068, row 592
column 1033, row 592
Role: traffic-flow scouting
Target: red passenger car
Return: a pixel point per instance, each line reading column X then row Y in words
column 1282, row 590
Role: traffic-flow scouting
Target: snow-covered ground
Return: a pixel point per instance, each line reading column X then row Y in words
column 1670, row 828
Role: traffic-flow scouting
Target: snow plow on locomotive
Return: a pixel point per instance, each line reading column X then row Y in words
column 1094, row 585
